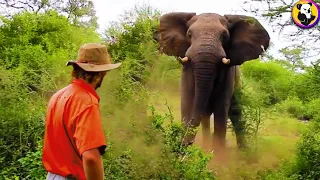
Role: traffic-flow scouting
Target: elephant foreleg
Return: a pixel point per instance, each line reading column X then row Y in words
column 220, row 126
column 221, row 104
column 235, row 114
column 205, row 123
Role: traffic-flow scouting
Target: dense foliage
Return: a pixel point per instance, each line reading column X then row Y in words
column 78, row 12
column 142, row 143
column 34, row 50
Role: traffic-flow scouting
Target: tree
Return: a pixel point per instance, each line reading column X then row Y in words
column 293, row 58
column 278, row 15
column 79, row 12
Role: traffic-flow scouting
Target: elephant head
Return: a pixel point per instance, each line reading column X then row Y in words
column 237, row 38
column 207, row 42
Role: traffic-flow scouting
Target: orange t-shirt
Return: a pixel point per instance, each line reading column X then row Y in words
column 78, row 106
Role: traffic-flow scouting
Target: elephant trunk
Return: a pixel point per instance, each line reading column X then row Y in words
column 204, row 73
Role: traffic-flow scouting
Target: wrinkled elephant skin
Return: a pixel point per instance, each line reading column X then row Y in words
column 210, row 48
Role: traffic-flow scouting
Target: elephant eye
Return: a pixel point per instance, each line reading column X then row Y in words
column 189, row 34
column 224, row 37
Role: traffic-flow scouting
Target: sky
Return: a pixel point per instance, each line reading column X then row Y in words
column 110, row 10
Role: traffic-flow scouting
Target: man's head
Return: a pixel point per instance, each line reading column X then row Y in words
column 93, row 78
column 92, row 64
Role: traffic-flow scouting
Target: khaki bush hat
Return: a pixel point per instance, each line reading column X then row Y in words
column 94, row 57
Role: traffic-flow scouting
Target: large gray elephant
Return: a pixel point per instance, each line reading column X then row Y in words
column 211, row 47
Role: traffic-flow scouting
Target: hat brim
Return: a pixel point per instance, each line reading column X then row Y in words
column 94, row 67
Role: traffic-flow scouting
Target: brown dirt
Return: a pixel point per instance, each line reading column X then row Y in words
column 230, row 163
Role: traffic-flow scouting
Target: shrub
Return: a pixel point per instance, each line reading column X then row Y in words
column 312, row 108
column 298, row 109
column 307, row 83
column 305, row 164
column 272, row 78
column 308, row 157
column 293, row 106
column 155, row 153
column 131, row 42
column 34, row 50
column 21, row 121
column 250, row 101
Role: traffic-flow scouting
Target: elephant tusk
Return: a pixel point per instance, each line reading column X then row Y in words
column 185, row 59
column 263, row 51
column 262, row 47
column 225, row 61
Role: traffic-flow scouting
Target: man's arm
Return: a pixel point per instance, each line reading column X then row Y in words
column 90, row 141
column 92, row 163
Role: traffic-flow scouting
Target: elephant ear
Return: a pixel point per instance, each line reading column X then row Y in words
column 172, row 33
column 248, row 39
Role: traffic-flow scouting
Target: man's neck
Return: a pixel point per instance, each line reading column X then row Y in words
column 93, row 85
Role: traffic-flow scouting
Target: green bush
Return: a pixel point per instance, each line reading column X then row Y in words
column 21, row 121
column 307, row 84
column 308, row 156
column 39, row 45
column 33, row 51
column 188, row 162
column 293, row 106
column 299, row 109
column 303, row 86
column 271, row 78
column 31, row 164
column 285, row 172
column 150, row 148
column 306, row 163
column 312, row 108
column 131, row 42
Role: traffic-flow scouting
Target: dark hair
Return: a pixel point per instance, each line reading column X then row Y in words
column 80, row 73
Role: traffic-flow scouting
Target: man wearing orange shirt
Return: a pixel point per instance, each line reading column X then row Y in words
column 74, row 140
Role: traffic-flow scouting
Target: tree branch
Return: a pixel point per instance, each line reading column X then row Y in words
column 25, row 3
column 278, row 14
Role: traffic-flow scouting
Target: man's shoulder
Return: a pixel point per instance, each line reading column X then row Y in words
column 80, row 94
column 57, row 94
column 74, row 93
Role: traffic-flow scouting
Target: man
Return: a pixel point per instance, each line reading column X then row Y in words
column 74, row 140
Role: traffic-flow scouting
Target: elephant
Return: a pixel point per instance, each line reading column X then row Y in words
column 211, row 48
